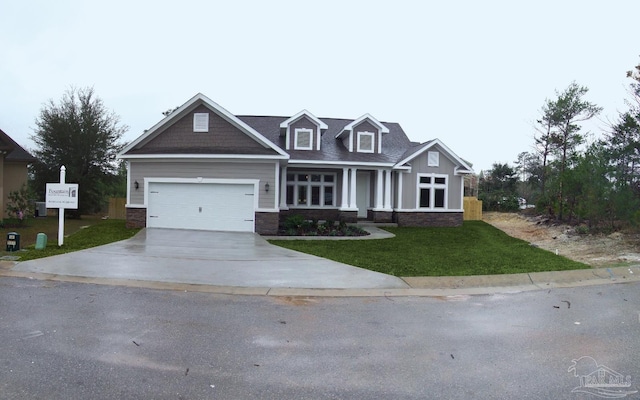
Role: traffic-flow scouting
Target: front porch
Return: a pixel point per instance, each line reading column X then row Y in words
column 348, row 194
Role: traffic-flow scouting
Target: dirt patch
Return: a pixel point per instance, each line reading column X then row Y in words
column 596, row 250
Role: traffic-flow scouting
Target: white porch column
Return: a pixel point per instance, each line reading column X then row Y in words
column 345, row 189
column 283, row 189
column 387, row 189
column 352, row 191
column 399, row 203
column 379, row 193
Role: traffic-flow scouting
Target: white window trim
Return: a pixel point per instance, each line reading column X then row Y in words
column 201, row 122
column 433, row 159
column 308, row 184
column 432, row 192
column 295, row 139
column 373, row 141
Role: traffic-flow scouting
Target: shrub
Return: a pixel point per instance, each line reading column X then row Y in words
column 294, row 222
column 582, row 229
column 19, row 204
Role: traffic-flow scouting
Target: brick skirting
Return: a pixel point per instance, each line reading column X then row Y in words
column 348, row 216
column 319, row 214
column 266, row 223
column 428, row 219
column 136, row 217
column 381, row 216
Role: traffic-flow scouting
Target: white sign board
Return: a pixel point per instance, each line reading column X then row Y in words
column 62, row 195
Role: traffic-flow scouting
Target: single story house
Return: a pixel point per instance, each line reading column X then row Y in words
column 202, row 167
column 14, row 162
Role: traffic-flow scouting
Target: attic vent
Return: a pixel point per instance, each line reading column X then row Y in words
column 201, row 122
column 433, row 159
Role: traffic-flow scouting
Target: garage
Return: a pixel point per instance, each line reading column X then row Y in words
column 202, row 206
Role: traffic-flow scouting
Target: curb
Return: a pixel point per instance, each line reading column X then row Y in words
column 449, row 287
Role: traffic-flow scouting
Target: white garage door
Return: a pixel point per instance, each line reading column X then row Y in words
column 204, row 206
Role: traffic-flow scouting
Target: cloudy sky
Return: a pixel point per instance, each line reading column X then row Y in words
column 471, row 73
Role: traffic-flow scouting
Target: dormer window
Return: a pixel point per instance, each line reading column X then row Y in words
column 303, row 139
column 365, row 142
column 201, row 122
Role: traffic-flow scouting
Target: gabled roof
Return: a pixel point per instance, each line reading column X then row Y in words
column 349, row 127
column 462, row 167
column 13, row 151
column 396, row 148
column 301, row 114
column 184, row 109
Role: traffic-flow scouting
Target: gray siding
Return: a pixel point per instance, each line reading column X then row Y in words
column 419, row 166
column 222, row 137
column 264, row 171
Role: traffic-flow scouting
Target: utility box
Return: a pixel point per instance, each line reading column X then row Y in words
column 41, row 241
column 40, row 209
column 13, row 241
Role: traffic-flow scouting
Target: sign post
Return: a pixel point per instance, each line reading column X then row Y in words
column 62, row 196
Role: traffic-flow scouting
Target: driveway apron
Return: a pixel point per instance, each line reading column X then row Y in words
column 209, row 258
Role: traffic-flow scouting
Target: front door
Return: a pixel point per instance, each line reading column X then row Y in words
column 363, row 195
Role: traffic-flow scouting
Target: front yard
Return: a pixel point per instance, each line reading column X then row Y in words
column 476, row 248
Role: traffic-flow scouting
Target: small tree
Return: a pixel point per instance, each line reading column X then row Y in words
column 497, row 188
column 83, row 135
column 570, row 109
column 19, row 204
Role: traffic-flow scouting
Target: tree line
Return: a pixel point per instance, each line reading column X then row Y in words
column 568, row 177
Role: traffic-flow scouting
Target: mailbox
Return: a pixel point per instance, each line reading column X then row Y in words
column 13, row 241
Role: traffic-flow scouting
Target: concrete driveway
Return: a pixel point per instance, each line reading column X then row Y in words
column 209, row 258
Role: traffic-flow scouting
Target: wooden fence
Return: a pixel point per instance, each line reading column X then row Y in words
column 116, row 208
column 472, row 209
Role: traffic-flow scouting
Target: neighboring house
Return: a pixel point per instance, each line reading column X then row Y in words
column 202, row 167
column 13, row 168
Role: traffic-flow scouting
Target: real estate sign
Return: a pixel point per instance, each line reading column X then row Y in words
column 62, row 195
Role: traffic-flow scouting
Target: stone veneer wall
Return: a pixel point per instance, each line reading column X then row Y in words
column 266, row 223
column 136, row 217
column 428, row 219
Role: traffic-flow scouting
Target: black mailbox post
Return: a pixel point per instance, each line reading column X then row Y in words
column 13, row 241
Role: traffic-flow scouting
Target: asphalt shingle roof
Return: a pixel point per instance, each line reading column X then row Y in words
column 394, row 144
column 15, row 152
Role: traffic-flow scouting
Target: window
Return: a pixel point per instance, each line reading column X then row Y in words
column 365, row 142
column 310, row 190
column 433, row 159
column 201, row 122
column 432, row 191
column 303, row 139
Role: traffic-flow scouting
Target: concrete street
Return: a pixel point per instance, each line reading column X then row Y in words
column 62, row 340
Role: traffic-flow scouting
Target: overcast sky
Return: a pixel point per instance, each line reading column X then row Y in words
column 472, row 73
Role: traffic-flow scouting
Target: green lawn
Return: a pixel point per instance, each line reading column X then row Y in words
column 476, row 248
column 82, row 234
